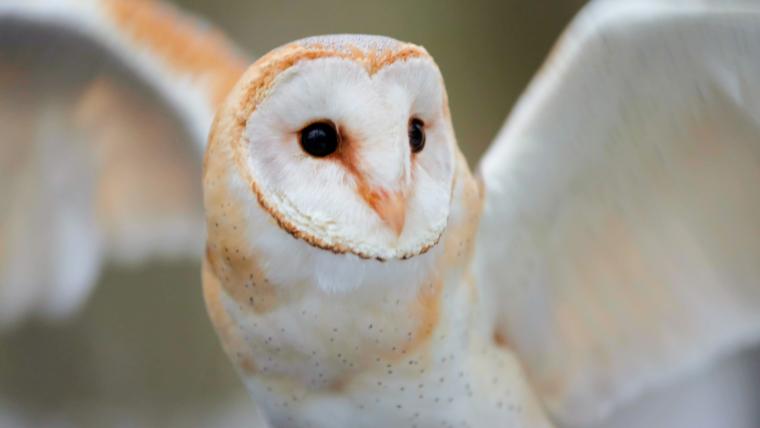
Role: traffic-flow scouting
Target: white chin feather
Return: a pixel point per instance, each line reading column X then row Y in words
column 289, row 260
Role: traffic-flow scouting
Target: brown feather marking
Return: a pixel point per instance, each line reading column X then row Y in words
column 233, row 260
column 457, row 252
column 347, row 156
column 184, row 45
column 500, row 339
column 227, row 330
column 427, row 309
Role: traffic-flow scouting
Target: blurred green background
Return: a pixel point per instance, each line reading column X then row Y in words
column 142, row 352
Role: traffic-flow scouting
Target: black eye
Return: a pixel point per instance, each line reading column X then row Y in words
column 319, row 139
column 416, row 135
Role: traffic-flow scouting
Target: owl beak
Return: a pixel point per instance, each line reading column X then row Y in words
column 390, row 206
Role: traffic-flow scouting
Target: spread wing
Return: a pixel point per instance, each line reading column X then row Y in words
column 104, row 111
column 621, row 234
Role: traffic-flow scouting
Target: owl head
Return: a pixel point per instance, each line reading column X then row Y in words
column 345, row 141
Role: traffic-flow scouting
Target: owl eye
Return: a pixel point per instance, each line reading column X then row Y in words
column 416, row 135
column 319, row 139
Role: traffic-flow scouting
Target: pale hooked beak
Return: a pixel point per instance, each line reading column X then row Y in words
column 390, row 206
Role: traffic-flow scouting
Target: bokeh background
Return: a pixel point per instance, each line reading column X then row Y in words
column 142, row 352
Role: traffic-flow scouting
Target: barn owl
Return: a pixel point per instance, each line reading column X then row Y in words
column 358, row 274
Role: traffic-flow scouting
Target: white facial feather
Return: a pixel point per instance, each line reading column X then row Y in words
column 322, row 196
column 291, row 261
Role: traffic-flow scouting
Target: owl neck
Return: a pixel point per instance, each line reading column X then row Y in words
column 407, row 355
column 400, row 342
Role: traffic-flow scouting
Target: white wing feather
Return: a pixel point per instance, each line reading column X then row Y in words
column 621, row 234
column 105, row 106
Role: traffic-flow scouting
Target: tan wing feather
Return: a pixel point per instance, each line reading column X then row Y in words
column 621, row 234
column 105, row 108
